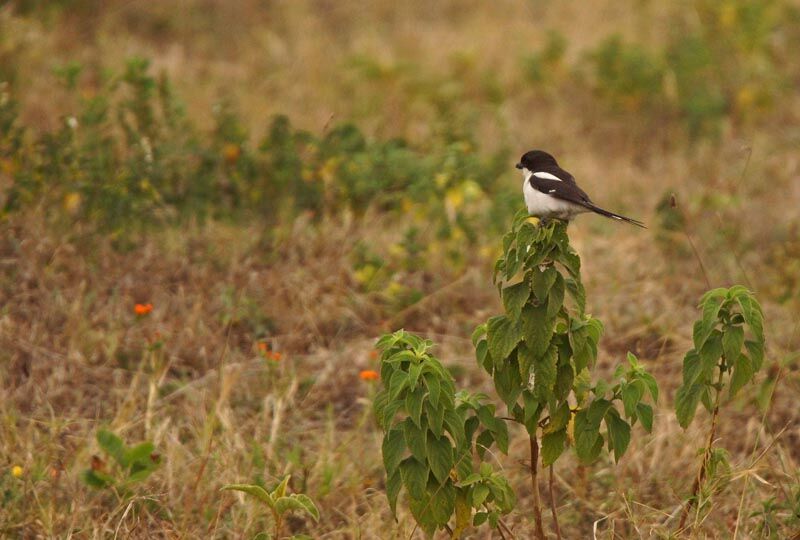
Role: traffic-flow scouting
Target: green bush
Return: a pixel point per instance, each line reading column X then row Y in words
column 130, row 158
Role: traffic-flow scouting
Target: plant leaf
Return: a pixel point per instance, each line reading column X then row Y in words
column 413, row 404
column 742, row 374
column 553, row 446
column 393, row 449
column 514, row 297
column 732, row 341
column 393, row 484
column 686, row 400
column 536, row 328
column 577, row 292
column 710, row 306
column 556, row 298
column 753, row 316
column 415, row 439
column 280, row 489
column 415, row 477
column 440, row 457
column 256, row 491
column 756, row 352
column 544, row 370
column 308, row 504
column 645, row 413
column 543, row 282
column 113, row 446
column 631, row 396
column 619, row 433
column 503, row 337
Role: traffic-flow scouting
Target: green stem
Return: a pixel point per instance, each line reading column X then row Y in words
column 537, row 503
column 698, row 481
column 553, row 505
column 277, row 517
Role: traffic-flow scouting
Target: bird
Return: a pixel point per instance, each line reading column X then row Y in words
column 551, row 192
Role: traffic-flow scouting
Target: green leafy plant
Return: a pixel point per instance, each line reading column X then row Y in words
column 432, row 435
column 539, row 354
column 728, row 350
column 627, row 75
column 540, row 351
column 131, row 464
column 279, row 503
column 128, row 156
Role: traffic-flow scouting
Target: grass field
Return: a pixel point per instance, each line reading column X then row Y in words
column 284, row 182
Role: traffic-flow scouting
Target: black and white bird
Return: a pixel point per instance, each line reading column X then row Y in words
column 551, row 192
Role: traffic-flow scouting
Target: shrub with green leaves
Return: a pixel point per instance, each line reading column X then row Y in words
column 539, row 354
column 541, row 350
column 626, row 75
column 279, row 504
column 132, row 464
column 728, row 350
column 728, row 340
column 128, row 156
column 432, row 436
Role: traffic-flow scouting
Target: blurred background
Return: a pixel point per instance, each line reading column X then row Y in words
column 283, row 181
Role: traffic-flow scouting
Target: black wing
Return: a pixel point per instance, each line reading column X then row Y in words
column 567, row 190
column 558, row 172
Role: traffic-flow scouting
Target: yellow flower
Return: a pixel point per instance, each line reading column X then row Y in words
column 728, row 15
column 454, row 199
column 72, row 202
column 533, row 221
column 16, row 471
column 328, row 171
column 745, row 98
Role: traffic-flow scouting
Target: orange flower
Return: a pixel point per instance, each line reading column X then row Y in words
column 373, row 354
column 369, row 375
column 231, row 153
column 142, row 309
column 262, row 347
column 275, row 356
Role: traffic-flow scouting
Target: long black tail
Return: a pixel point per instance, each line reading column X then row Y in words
column 612, row 215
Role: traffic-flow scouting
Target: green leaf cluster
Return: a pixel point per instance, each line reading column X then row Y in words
column 728, row 340
column 133, row 463
column 431, row 436
column 541, row 350
column 130, row 156
column 277, row 499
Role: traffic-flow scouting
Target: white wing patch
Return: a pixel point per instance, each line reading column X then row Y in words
column 547, row 176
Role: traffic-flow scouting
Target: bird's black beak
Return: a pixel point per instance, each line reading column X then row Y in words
column 518, row 166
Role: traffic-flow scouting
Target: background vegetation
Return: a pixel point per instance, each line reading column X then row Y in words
column 285, row 181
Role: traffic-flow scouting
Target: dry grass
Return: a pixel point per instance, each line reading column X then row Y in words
column 71, row 349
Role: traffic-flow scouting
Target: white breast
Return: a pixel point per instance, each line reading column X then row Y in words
column 543, row 205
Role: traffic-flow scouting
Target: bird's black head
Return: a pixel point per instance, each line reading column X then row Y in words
column 535, row 159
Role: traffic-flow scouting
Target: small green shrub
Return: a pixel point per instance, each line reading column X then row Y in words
column 541, row 65
column 539, row 354
column 432, row 435
column 279, row 504
column 728, row 349
column 627, row 75
column 129, row 158
column 131, row 464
